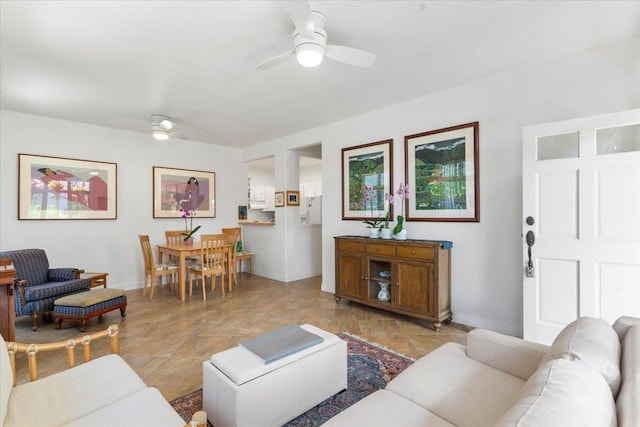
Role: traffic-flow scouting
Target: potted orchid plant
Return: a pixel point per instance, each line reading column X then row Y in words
column 402, row 193
column 385, row 231
column 371, row 200
column 189, row 231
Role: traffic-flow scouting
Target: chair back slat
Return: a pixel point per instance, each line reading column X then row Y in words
column 212, row 251
column 174, row 237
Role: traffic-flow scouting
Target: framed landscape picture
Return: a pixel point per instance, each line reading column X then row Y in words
column 175, row 189
column 64, row 189
column 367, row 172
column 442, row 171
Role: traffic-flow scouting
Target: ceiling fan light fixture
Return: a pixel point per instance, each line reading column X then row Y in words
column 160, row 127
column 167, row 124
column 309, row 54
column 160, row 134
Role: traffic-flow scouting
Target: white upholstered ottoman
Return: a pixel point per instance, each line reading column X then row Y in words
column 239, row 389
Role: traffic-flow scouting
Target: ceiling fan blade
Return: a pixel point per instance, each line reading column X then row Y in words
column 349, row 55
column 275, row 60
column 300, row 11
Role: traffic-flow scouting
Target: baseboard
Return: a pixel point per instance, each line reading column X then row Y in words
column 479, row 322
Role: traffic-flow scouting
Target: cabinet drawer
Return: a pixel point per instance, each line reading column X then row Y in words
column 351, row 246
column 380, row 249
column 419, row 252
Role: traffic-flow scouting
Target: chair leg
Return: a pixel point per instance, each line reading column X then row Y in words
column 204, row 287
column 144, row 286
column 34, row 318
column 191, row 285
column 154, row 280
column 222, row 282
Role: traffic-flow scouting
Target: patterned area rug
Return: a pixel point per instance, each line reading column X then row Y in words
column 369, row 368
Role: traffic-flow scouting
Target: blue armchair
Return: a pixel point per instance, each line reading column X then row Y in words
column 37, row 285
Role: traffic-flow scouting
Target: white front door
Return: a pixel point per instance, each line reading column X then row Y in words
column 581, row 194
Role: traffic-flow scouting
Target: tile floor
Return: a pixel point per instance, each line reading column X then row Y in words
column 166, row 340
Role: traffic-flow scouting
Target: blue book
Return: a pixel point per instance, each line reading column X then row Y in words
column 281, row 343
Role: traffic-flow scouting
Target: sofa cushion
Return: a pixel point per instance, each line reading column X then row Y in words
column 462, row 391
column 562, row 393
column 628, row 402
column 593, row 342
column 101, row 382
column 383, row 409
column 56, row 289
column 146, row 407
column 506, row 353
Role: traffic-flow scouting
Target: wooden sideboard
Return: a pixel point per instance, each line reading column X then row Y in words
column 416, row 273
column 7, row 312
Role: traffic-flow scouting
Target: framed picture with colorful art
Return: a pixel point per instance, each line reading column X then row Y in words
column 63, row 189
column 175, row 189
column 441, row 168
column 367, row 174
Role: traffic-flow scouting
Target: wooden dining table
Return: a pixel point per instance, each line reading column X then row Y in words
column 183, row 251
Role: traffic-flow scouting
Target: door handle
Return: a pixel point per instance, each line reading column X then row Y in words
column 530, row 239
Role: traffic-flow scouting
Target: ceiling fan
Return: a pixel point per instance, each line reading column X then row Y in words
column 310, row 41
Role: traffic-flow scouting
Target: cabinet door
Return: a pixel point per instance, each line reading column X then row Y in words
column 270, row 198
column 258, row 193
column 415, row 287
column 349, row 274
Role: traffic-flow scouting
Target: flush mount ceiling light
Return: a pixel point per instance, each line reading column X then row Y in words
column 160, row 127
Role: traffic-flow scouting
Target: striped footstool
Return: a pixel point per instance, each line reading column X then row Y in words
column 85, row 305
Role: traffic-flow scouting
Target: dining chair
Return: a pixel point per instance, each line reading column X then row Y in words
column 233, row 239
column 212, row 260
column 176, row 237
column 241, row 255
column 153, row 270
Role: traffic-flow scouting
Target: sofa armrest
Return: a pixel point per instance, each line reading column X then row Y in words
column 63, row 274
column 509, row 354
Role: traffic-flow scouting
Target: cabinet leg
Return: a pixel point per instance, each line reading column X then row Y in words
column 436, row 326
column 448, row 321
column 337, row 299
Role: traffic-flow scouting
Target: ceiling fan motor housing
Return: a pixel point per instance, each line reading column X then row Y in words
column 312, row 49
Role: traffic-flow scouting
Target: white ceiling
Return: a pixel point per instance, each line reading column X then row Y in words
column 114, row 63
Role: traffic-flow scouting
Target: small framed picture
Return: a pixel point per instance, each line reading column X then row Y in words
column 293, row 198
column 279, row 199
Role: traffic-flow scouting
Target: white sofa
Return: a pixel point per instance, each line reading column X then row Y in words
column 102, row 392
column 590, row 376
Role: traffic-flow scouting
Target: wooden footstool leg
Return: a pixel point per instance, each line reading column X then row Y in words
column 58, row 323
column 122, row 309
column 83, row 325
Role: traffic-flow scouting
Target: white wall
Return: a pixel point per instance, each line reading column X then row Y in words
column 486, row 256
column 109, row 245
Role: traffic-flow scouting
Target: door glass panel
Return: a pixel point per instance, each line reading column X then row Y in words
column 558, row 146
column 618, row 140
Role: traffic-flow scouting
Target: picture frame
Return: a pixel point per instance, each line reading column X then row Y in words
column 293, row 198
column 174, row 189
column 279, row 198
column 442, row 170
column 60, row 188
column 364, row 166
